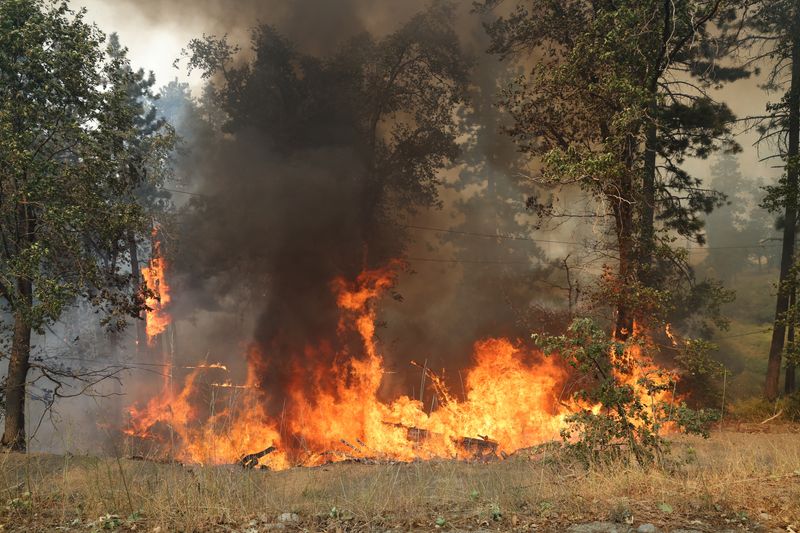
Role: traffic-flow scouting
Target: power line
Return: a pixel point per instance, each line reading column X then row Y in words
column 523, row 238
column 182, row 192
column 467, row 261
column 486, row 235
column 743, row 334
column 531, row 239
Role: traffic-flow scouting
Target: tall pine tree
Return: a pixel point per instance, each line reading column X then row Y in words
column 617, row 99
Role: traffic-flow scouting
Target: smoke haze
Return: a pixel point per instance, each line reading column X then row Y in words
column 270, row 229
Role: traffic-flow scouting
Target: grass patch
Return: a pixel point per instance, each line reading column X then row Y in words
column 734, row 478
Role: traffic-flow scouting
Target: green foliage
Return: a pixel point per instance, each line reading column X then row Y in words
column 608, row 107
column 701, row 374
column 145, row 158
column 65, row 129
column 21, row 504
column 76, row 140
column 755, row 409
column 495, row 513
column 603, row 76
column 693, row 358
column 623, row 401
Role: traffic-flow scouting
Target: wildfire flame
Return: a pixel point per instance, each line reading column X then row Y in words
column 156, row 318
column 208, row 366
column 510, row 401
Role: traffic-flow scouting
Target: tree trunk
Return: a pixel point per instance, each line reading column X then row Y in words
column 141, row 334
column 623, row 327
column 648, row 203
column 789, row 383
column 787, row 253
column 623, row 215
column 648, row 208
column 14, row 434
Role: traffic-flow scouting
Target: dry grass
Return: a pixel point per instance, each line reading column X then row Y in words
column 733, row 480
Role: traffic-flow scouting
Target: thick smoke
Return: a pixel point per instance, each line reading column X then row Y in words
column 274, row 226
column 276, row 221
column 315, row 25
column 286, row 204
column 275, row 232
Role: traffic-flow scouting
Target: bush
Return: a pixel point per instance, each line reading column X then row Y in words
column 623, row 403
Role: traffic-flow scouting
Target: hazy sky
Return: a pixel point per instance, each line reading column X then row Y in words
column 152, row 46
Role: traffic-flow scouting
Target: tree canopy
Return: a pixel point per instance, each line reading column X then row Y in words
column 65, row 207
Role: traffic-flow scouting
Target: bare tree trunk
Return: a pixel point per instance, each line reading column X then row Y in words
column 648, row 202
column 14, row 433
column 648, row 208
column 787, row 253
column 623, row 214
column 789, row 383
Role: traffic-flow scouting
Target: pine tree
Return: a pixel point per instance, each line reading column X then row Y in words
column 774, row 35
column 617, row 99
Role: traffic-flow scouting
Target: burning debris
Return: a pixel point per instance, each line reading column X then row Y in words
column 252, row 460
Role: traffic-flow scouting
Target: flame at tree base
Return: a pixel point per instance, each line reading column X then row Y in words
column 511, row 401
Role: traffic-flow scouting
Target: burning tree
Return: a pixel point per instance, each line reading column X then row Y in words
column 623, row 403
column 65, row 207
column 319, row 159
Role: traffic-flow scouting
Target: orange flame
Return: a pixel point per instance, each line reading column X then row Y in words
column 510, row 402
column 156, row 318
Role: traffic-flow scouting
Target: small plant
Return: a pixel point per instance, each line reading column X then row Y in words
column 691, row 455
column 545, row 508
column 20, row 503
column 623, row 401
column 621, row 514
column 665, row 508
column 495, row 513
column 106, row 522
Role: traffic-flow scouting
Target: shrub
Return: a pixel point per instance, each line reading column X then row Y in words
column 622, row 402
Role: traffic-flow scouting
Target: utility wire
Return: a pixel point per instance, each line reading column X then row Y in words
column 486, row 235
column 743, row 334
column 519, row 238
column 182, row 192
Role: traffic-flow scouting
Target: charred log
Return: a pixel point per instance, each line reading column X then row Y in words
column 250, row 461
column 482, row 448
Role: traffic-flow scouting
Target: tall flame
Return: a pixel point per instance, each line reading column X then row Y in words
column 510, row 401
column 156, row 318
